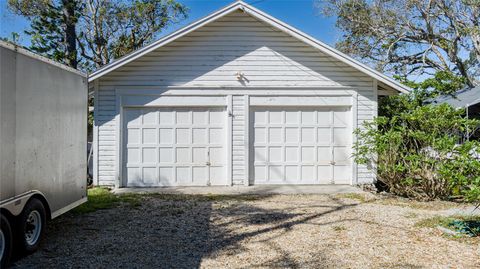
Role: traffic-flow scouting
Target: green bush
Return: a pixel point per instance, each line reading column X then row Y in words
column 421, row 151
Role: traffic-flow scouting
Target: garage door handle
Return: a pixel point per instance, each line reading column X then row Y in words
column 208, row 163
column 332, row 162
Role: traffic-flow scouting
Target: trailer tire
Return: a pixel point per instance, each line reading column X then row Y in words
column 31, row 227
column 6, row 241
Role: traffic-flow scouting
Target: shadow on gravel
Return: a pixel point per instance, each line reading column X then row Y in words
column 171, row 231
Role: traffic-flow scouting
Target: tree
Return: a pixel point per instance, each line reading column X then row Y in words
column 115, row 28
column 53, row 27
column 91, row 33
column 411, row 37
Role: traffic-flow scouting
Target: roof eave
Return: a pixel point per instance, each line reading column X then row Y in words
column 265, row 18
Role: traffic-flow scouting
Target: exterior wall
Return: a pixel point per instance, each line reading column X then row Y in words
column 239, row 139
column 209, row 59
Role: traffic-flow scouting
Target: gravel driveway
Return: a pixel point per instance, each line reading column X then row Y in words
column 294, row 231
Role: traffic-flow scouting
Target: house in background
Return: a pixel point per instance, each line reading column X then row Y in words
column 468, row 98
column 236, row 98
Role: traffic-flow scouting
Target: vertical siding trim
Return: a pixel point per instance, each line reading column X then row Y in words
column 118, row 147
column 95, row 133
column 375, row 114
column 354, row 139
column 246, row 180
column 230, row 139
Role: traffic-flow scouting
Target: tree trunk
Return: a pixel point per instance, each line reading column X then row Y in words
column 70, row 21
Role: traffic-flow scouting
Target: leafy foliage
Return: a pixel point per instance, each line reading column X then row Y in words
column 411, row 37
column 422, row 151
column 91, row 33
column 48, row 34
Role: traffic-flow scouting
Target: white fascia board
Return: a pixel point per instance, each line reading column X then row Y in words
column 240, row 5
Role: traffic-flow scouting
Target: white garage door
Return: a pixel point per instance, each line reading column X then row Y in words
column 302, row 146
column 174, row 146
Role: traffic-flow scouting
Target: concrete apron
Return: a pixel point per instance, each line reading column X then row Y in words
column 242, row 190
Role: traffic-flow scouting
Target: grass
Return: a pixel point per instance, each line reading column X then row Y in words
column 339, row 228
column 354, row 196
column 451, row 222
column 410, row 203
column 102, row 198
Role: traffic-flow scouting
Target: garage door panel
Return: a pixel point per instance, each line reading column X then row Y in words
column 175, row 146
column 199, row 136
column 133, row 136
column 341, row 154
column 324, row 154
column 261, row 155
column 308, row 117
column 275, row 154
column 260, row 135
column 166, row 117
column 260, row 174
column 150, row 117
column 183, row 118
column 183, row 176
column 324, row 173
column 217, row 175
column 182, row 136
column 165, row 136
column 342, row 174
column 133, row 117
column 183, row 155
column 292, row 135
column 275, row 173
column 292, row 154
column 199, row 173
column 309, row 175
column 149, row 136
column 149, row 155
column 216, row 136
column 133, row 155
column 301, row 145
column 200, row 117
column 292, row 117
column 275, row 135
column 166, row 175
column 134, row 176
column 166, row 155
column 150, row 175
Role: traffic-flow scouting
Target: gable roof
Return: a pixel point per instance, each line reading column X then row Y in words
column 240, row 5
column 463, row 98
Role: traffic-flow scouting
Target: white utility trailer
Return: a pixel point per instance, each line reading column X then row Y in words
column 43, row 140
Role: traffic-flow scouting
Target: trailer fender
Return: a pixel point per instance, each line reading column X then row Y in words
column 16, row 204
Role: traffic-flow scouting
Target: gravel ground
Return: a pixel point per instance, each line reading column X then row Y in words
column 294, row 231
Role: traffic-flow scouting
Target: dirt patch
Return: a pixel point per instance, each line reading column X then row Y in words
column 295, row 231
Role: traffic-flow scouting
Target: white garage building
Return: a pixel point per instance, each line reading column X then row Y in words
column 236, row 98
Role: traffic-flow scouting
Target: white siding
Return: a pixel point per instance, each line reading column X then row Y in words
column 365, row 112
column 239, row 140
column 210, row 57
column 107, row 139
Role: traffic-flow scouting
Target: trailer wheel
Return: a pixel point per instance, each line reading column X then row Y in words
column 31, row 222
column 5, row 241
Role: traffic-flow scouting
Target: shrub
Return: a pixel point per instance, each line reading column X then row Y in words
column 420, row 151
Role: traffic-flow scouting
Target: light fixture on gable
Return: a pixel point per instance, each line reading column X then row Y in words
column 239, row 75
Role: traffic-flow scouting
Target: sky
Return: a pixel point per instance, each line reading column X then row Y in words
column 300, row 14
